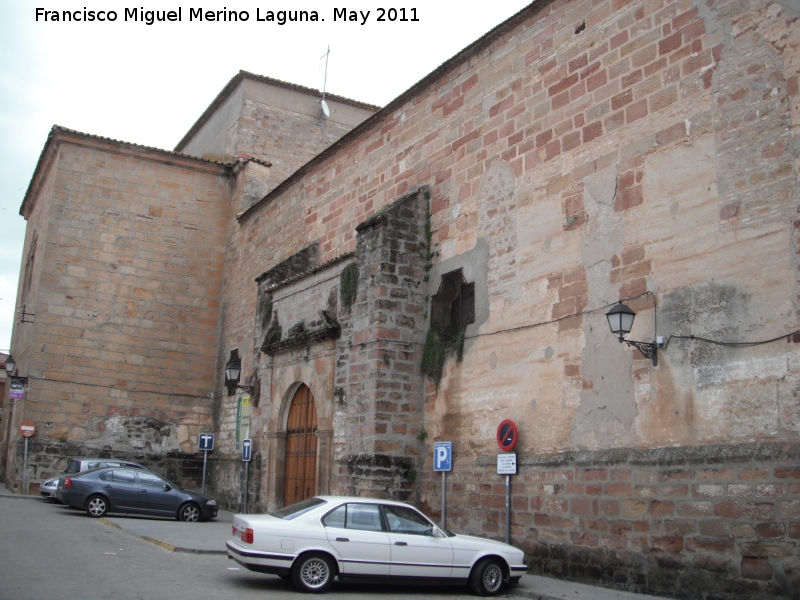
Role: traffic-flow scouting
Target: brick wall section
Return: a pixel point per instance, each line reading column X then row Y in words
column 129, row 297
column 285, row 138
column 531, row 120
column 692, row 522
column 383, row 390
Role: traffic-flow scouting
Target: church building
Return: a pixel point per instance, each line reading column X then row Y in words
column 347, row 287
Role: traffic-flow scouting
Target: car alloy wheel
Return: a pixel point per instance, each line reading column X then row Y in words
column 96, row 506
column 313, row 573
column 190, row 513
column 486, row 578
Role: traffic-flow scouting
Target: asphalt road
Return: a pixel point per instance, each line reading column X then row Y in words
column 49, row 551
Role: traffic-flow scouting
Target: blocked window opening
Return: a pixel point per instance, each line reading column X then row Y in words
column 453, row 306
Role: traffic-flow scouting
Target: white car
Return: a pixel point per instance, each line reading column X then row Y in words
column 323, row 537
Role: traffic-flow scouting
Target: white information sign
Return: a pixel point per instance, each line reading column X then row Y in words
column 507, row 464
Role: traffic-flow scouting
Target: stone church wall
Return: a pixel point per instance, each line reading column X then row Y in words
column 590, row 152
column 127, row 300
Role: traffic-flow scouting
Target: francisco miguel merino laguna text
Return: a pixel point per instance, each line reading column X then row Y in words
column 281, row 17
column 149, row 17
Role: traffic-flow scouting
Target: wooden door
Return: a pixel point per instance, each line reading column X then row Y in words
column 300, row 480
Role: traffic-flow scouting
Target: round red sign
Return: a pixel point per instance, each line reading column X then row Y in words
column 27, row 428
column 507, row 435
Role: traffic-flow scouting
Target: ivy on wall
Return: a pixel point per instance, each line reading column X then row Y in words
column 348, row 284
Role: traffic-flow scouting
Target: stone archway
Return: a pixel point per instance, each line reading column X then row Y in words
column 300, row 467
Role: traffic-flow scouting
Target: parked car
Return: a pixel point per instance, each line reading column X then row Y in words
column 49, row 489
column 78, row 465
column 131, row 490
column 324, row 537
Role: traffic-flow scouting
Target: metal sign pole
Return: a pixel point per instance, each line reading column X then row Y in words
column 205, row 461
column 246, row 483
column 508, row 509
column 444, row 488
column 25, row 469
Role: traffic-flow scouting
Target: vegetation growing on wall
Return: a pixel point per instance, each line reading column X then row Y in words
column 264, row 309
column 437, row 346
column 348, row 284
column 438, row 343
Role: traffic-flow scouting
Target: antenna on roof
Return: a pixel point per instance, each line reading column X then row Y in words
column 325, row 109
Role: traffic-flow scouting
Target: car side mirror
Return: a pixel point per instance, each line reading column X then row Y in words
column 437, row 533
column 167, row 487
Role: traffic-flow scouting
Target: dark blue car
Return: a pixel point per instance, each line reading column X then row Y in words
column 127, row 490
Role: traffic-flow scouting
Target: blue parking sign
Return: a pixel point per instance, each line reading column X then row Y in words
column 443, row 456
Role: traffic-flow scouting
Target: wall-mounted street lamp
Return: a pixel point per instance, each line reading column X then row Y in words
column 620, row 319
column 11, row 364
column 232, row 372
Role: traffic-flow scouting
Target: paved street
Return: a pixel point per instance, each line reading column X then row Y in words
column 50, row 551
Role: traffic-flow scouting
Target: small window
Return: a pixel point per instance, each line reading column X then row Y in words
column 124, row 476
column 107, row 476
column 453, row 306
column 336, row 518
column 149, row 480
column 297, row 509
column 406, row 520
column 73, row 467
column 366, row 517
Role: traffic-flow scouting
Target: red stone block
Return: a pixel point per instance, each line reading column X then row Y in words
column 658, row 507
column 562, row 85
column 670, row 44
column 622, row 99
column 759, row 511
column 636, row 111
column 592, row 131
column 619, row 39
column 756, row 568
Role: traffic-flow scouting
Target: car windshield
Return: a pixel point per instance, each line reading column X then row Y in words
column 295, row 510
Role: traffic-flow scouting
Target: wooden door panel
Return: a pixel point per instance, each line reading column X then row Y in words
column 301, row 448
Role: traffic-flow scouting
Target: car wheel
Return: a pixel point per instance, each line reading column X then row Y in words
column 486, row 578
column 96, row 506
column 189, row 513
column 313, row 573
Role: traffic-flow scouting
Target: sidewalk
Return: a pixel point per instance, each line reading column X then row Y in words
column 210, row 538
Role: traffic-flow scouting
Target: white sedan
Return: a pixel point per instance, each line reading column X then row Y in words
column 318, row 539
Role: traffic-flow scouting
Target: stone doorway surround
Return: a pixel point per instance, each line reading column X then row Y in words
column 312, row 366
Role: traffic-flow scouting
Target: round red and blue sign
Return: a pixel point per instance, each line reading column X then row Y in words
column 507, row 435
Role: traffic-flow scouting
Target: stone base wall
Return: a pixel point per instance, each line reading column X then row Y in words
column 225, row 481
column 48, row 458
column 376, row 476
column 699, row 522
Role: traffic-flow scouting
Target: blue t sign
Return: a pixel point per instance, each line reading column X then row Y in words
column 443, row 456
column 206, row 441
column 246, row 450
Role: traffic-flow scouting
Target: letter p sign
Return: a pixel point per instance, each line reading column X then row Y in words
column 443, row 456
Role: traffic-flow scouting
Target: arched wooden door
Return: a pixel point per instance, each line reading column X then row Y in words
column 300, row 480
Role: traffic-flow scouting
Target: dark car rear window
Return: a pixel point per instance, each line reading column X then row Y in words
column 73, row 466
column 295, row 510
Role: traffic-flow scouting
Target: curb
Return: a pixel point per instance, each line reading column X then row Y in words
column 105, row 521
column 159, row 543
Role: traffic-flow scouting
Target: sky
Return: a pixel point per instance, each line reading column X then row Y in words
column 147, row 84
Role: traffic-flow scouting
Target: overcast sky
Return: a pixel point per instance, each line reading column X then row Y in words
column 148, row 83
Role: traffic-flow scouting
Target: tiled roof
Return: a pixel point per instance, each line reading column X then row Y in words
column 241, row 76
column 56, row 129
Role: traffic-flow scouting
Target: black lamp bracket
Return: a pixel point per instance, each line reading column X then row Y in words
column 245, row 388
column 648, row 349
